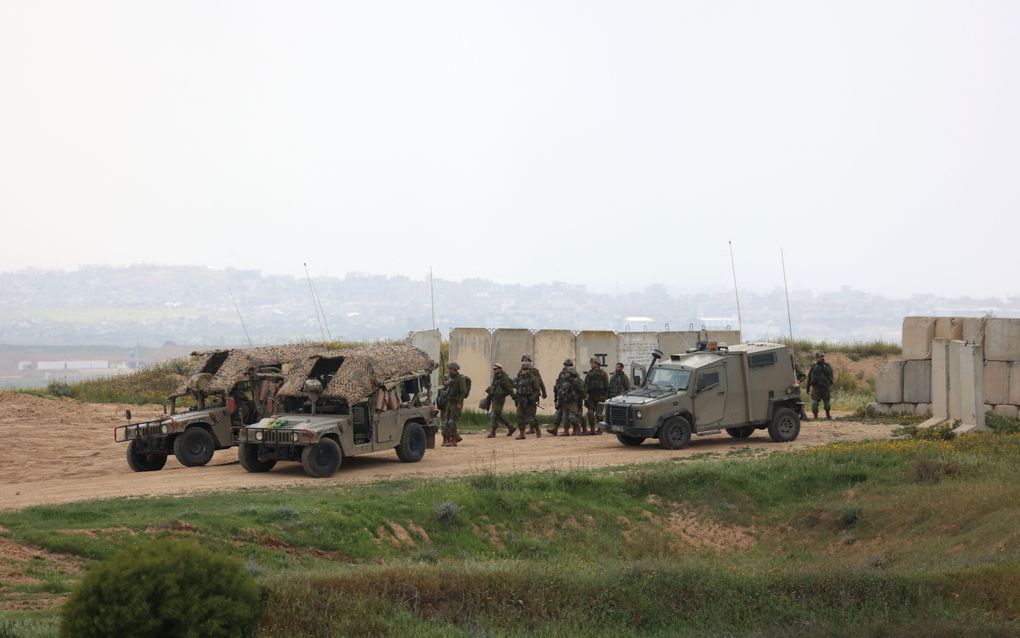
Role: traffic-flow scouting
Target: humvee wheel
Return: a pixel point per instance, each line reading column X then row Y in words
column 248, row 455
column 321, row 459
column 785, row 426
column 741, row 433
column 194, row 447
column 632, row 441
column 675, row 433
column 143, row 461
column 412, row 443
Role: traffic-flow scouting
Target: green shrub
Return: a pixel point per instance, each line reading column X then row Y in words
column 163, row 588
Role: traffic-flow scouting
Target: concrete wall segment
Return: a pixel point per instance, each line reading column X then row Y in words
column 889, row 382
column 918, row 333
column 1002, row 339
column 471, row 349
column 551, row 348
column 917, row 381
column 431, row 342
column 508, row 344
column 996, row 382
column 1014, row 383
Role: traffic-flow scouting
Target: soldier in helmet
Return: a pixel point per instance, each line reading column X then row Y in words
column 526, row 362
column 618, row 381
column 526, row 393
column 568, row 393
column 819, row 384
column 500, row 388
column 596, row 388
column 455, row 390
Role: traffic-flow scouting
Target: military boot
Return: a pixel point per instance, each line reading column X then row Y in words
column 577, row 429
column 828, row 417
column 814, row 415
column 510, row 430
column 522, row 435
column 552, row 429
column 446, row 441
column 492, row 434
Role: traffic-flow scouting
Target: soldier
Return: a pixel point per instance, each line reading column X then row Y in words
column 526, row 358
column 526, row 393
column 455, row 390
column 568, row 394
column 596, row 389
column 500, row 388
column 618, row 381
column 819, row 384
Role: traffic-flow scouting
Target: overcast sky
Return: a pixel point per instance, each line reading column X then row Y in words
column 612, row 144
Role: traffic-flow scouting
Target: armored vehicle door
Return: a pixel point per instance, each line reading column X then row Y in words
column 710, row 398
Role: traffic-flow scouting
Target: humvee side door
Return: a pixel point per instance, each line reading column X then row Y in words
column 710, row 398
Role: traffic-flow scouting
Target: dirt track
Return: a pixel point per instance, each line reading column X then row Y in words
column 60, row 451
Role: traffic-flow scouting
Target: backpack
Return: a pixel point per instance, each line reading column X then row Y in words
column 467, row 385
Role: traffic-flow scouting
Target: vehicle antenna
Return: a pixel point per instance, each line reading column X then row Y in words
column 244, row 327
column 789, row 317
column 432, row 298
column 318, row 301
column 315, row 305
column 740, row 323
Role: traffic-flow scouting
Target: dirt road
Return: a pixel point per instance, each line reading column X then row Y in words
column 61, row 451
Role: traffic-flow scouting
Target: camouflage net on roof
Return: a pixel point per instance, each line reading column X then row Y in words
column 240, row 361
column 362, row 371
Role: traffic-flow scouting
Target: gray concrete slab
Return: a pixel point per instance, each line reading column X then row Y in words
column 635, row 352
column 996, row 382
column 551, row 348
column 1006, row 410
column 949, row 328
column 922, row 409
column 677, row 342
column 1014, row 383
column 903, row 408
column 971, row 385
column 431, row 342
column 940, row 379
column 508, row 344
column 917, row 382
column 1002, row 339
column 974, row 330
column 470, row 348
column 889, row 382
column 955, row 405
column 601, row 344
column 918, row 333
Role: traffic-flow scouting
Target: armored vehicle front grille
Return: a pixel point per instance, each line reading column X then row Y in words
column 617, row 415
column 277, row 436
column 149, row 430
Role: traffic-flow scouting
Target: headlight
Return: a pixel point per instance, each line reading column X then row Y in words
column 294, row 437
column 258, row 436
column 637, row 414
column 165, row 428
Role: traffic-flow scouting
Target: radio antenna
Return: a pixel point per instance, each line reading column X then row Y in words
column 432, row 298
column 740, row 323
column 789, row 317
column 315, row 304
column 243, row 327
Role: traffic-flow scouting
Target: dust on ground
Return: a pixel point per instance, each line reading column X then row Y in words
column 62, row 451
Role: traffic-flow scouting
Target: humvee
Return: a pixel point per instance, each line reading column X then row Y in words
column 228, row 390
column 739, row 389
column 353, row 402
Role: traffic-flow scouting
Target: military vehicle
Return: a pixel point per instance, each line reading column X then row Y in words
column 351, row 402
column 230, row 388
column 739, row 389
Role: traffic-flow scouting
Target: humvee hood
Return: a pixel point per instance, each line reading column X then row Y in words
column 297, row 421
column 360, row 372
column 641, row 395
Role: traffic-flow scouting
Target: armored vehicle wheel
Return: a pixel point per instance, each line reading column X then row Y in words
column 322, row 459
column 144, row 461
column 248, row 455
column 675, row 433
column 412, row 443
column 632, row 441
column 741, row 433
column 785, row 426
column 194, row 447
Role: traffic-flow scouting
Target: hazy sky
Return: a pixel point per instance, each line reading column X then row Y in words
column 612, row 144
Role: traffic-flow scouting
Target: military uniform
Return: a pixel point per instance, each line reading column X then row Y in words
column 569, row 394
column 618, row 383
column 456, row 390
column 526, row 393
column 500, row 388
column 596, row 388
column 535, row 373
column 819, row 384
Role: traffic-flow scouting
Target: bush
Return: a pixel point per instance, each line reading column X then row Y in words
column 163, row 588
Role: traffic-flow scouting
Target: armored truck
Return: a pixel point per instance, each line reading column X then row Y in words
column 351, row 402
column 228, row 389
column 739, row 389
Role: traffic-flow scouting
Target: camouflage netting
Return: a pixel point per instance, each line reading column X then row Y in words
column 240, row 360
column 363, row 370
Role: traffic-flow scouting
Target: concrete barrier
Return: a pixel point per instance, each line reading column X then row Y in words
column 889, row 382
column 974, row 330
column 677, row 342
column 1006, row 410
column 902, row 408
column 969, row 385
column 508, row 344
column 470, row 348
column 949, row 328
column 922, row 409
column 551, row 348
column 601, row 344
column 1002, row 339
column 940, row 379
column 636, row 353
column 729, row 337
column 918, row 333
column 1014, row 383
column 431, row 342
column 996, row 382
column 917, row 382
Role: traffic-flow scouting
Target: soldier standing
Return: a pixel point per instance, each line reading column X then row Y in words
column 500, row 388
column 455, row 390
column 596, row 389
column 819, row 384
column 526, row 358
column 526, row 393
column 618, row 381
column 568, row 393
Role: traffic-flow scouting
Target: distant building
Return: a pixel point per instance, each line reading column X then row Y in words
column 24, row 365
column 73, row 365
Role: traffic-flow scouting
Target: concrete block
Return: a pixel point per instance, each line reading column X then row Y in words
column 880, row 409
column 953, row 369
column 918, row 333
column 940, row 379
column 1002, row 339
column 949, row 328
column 508, row 344
column 636, row 353
column 601, row 344
column 996, row 382
column 917, row 382
column 971, row 385
column 551, row 348
column 470, row 347
column 903, row 408
column 988, row 407
column 974, row 330
column 1008, row 411
column 889, row 382
column 729, row 337
column 922, row 409
column 431, row 342
column 1014, row 383
column 677, row 342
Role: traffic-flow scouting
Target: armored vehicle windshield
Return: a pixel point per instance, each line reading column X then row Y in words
column 676, row 378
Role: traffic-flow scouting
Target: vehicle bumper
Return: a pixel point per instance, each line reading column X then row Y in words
column 637, row 431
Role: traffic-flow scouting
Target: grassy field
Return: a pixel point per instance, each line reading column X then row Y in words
column 880, row 538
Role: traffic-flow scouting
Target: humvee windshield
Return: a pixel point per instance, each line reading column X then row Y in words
column 669, row 378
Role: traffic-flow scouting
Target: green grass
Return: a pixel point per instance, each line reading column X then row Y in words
column 859, row 349
column 888, row 537
column 150, row 384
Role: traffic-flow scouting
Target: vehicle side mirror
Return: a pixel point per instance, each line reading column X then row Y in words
column 164, row 408
column 127, row 414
